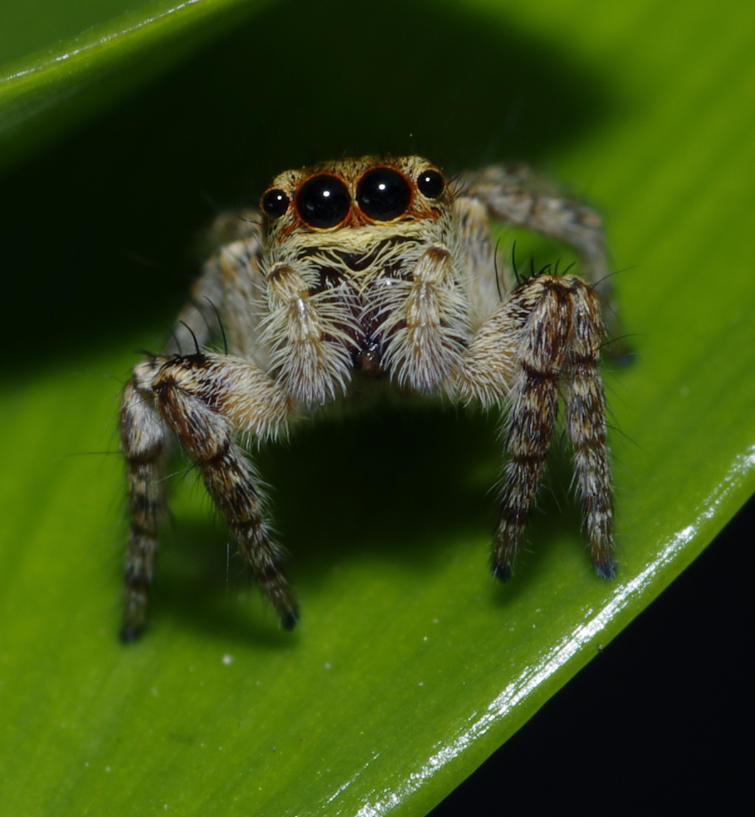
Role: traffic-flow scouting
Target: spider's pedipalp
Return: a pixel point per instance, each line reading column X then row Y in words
column 306, row 337
column 427, row 329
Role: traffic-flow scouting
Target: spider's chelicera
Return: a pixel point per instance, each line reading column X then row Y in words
column 364, row 268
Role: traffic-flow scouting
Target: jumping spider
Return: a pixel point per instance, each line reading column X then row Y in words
column 364, row 268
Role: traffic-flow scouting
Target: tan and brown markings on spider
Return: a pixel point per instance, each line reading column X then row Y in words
column 373, row 267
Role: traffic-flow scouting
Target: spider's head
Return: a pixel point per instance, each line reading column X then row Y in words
column 367, row 196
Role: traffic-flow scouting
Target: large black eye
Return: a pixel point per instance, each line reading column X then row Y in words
column 274, row 203
column 323, row 201
column 430, row 183
column 383, row 194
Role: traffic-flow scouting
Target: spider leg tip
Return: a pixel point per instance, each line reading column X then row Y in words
column 606, row 569
column 620, row 353
column 502, row 572
column 131, row 633
column 290, row 620
column 625, row 358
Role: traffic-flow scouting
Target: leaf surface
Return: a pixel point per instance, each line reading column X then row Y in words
column 410, row 665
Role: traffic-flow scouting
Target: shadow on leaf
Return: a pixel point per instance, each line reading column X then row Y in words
column 100, row 230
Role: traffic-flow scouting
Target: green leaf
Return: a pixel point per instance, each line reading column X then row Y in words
column 61, row 62
column 410, row 666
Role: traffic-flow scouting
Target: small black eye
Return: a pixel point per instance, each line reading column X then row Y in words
column 430, row 183
column 383, row 194
column 275, row 203
column 323, row 201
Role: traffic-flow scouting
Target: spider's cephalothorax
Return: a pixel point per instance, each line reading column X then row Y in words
column 355, row 238
column 373, row 267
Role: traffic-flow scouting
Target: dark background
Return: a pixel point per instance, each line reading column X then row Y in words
column 659, row 723
column 91, row 227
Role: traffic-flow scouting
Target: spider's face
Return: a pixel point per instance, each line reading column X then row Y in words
column 340, row 200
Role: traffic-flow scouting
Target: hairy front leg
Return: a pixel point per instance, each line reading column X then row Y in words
column 534, row 403
column 143, row 441
column 205, row 400
column 586, row 426
column 145, row 438
column 545, row 336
